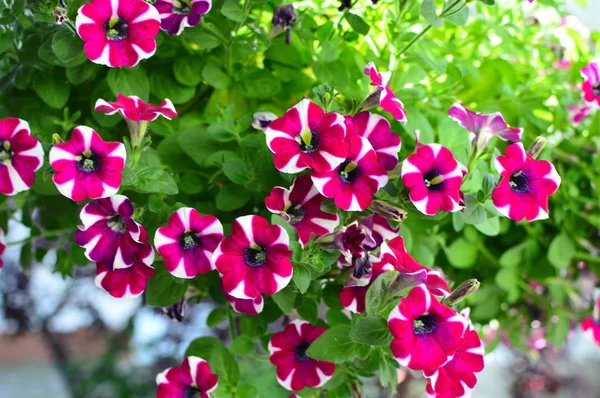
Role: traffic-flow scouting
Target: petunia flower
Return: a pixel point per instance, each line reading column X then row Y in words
column 254, row 259
column 387, row 99
column 132, row 108
column 577, row 113
column 128, row 282
column 2, row 246
column 433, row 178
column 591, row 84
column 118, row 33
column 376, row 129
column 109, row 234
column 306, row 137
column 193, row 378
column 295, row 369
column 21, row 155
column 246, row 306
column 483, row 127
column 188, row 242
column 86, row 167
column 525, row 185
column 591, row 325
column 562, row 64
column 353, row 183
column 262, row 120
column 176, row 15
column 301, row 207
column 426, row 333
column 352, row 296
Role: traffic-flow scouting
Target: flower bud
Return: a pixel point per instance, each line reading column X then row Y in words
column 462, row 291
column 262, row 120
column 537, row 146
column 56, row 139
column 371, row 101
column 388, row 211
column 175, row 311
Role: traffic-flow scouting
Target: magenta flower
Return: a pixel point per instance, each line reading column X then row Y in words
column 457, row 377
column 262, row 120
column 577, row 113
column 255, row 259
column 193, row 378
column 86, row 167
column 307, row 137
column 128, row 282
column 134, row 109
column 483, row 127
column 188, row 242
column 295, row 369
column 433, row 178
column 426, row 333
column 301, row 207
column 21, row 155
column 249, row 307
column 109, row 234
column 118, row 33
column 2, row 247
column 591, row 325
column 376, row 129
column 525, row 185
column 562, row 64
column 387, row 99
column 353, row 183
column 352, row 296
column 176, row 15
column 591, row 84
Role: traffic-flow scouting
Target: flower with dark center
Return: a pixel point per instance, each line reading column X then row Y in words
column 307, row 137
column 118, row 33
column 188, row 242
column 426, row 333
column 591, row 84
column 192, row 379
column 176, row 15
column 86, row 167
column 295, row 369
column 254, row 259
column 21, row 155
column 433, row 180
column 387, row 99
column 354, row 182
column 525, row 186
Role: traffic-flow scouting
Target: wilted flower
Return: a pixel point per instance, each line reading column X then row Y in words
column 387, row 99
column 176, row 15
column 262, row 120
column 352, row 296
column 175, row 311
column 60, row 15
column 591, row 84
column 577, row 113
column 536, row 147
column 284, row 18
column 388, row 211
column 463, row 290
column 295, row 369
column 193, row 378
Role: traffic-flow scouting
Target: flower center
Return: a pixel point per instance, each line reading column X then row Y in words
column 425, row 324
column 596, row 89
column 301, row 351
column 348, row 171
column 433, row 180
column 116, row 223
column 6, row 153
column 518, row 182
column 116, row 28
column 255, row 256
column 189, row 241
column 191, row 392
column 308, row 141
column 296, row 214
column 181, row 7
column 88, row 162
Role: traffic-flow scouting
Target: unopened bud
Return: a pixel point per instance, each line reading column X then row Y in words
column 371, row 101
column 388, row 211
column 537, row 146
column 56, row 139
column 175, row 311
column 462, row 291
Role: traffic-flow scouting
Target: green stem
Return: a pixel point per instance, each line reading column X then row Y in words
column 47, row 234
column 231, row 324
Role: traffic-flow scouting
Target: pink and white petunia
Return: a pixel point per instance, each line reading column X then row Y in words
column 577, row 113
column 86, row 167
column 307, row 138
column 118, row 33
column 108, row 233
column 353, row 295
column 483, row 127
column 457, row 379
column 2, row 247
column 376, row 129
column 525, row 185
column 591, row 84
column 249, row 307
column 193, row 378
column 591, row 325
column 134, row 109
column 301, row 207
column 254, row 259
column 433, row 178
column 176, row 15
column 426, row 333
column 128, row 282
column 188, row 242
column 353, row 183
column 387, row 99
column 295, row 369
column 21, row 155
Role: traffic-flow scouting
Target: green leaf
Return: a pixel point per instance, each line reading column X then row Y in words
column 512, row 257
column 301, row 277
column 221, row 361
column 232, row 197
column 561, row 251
column 6, row 40
column 188, row 70
column 216, row 316
column 285, row 299
column 429, row 12
column 461, row 17
column 214, row 76
column 329, row 51
column 488, row 184
column 164, row 289
column 52, row 89
column 488, row 2
column 372, row 330
column 247, row 391
column 236, row 170
column 242, row 345
column 149, row 177
column 358, row 23
column 462, row 253
column 260, row 84
column 334, row 345
column 26, row 256
column 164, row 85
column 490, row 227
column 309, row 310
column 129, row 82
column 378, row 292
column 508, row 280
column 68, row 48
column 232, row 10
column 474, row 212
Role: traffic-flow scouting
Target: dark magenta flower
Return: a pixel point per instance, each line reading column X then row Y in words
column 193, row 378
column 307, row 138
column 134, row 109
column 118, row 33
column 301, row 207
column 295, row 369
column 591, row 84
column 387, row 99
column 176, row 15
column 254, row 259
column 525, row 185
column 86, row 167
column 376, row 129
column 591, row 325
column 188, row 242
